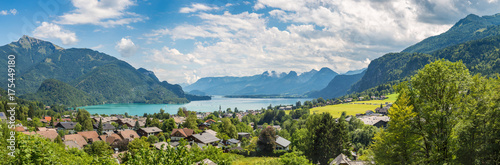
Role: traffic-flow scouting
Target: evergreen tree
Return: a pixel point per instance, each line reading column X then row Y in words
column 137, row 126
column 99, row 127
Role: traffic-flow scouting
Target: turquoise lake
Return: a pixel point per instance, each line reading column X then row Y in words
column 199, row 106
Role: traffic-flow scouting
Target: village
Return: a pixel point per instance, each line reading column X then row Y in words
column 119, row 130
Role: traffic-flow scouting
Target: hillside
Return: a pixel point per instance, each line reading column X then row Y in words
column 337, row 87
column 469, row 28
column 479, row 55
column 267, row 83
column 104, row 78
column 53, row 91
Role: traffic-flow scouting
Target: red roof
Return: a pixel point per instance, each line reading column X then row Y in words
column 90, row 135
column 210, row 121
column 48, row 118
column 19, row 129
column 128, row 134
column 185, row 132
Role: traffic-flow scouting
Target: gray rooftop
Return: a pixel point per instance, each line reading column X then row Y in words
column 151, row 129
column 282, row 141
column 205, row 137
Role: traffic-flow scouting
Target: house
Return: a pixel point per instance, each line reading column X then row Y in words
column 128, row 134
column 19, row 129
column 106, row 119
column 71, row 144
column 130, row 122
column 211, row 132
column 49, row 134
column 160, row 144
column 381, row 124
column 210, row 121
column 227, row 144
column 106, row 127
column 344, row 160
column 383, row 110
column 149, row 131
column 78, row 139
column 242, row 135
column 179, row 120
column 91, row 136
column 377, row 121
column 3, row 118
column 277, row 127
column 111, row 138
column 69, row 126
column 288, row 107
column 203, row 126
column 178, row 134
column 203, row 139
column 361, row 98
column 282, row 143
column 369, row 112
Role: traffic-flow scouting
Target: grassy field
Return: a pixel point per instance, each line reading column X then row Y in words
column 254, row 160
column 354, row 107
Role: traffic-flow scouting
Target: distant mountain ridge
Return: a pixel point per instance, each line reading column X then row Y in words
column 267, row 83
column 102, row 77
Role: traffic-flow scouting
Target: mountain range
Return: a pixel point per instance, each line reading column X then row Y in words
column 99, row 76
column 267, row 83
column 474, row 40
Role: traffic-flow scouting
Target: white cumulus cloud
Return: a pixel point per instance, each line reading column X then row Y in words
column 126, row 47
column 197, row 7
column 106, row 13
column 53, row 31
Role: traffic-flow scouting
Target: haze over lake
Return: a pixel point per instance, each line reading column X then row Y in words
column 199, row 106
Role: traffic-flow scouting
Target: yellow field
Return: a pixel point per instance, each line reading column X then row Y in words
column 354, row 107
column 254, row 160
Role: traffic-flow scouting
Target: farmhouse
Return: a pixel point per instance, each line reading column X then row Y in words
column 203, row 139
column 69, row 126
column 282, row 143
column 178, row 134
column 149, row 131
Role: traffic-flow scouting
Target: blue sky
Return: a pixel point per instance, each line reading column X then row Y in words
column 182, row 41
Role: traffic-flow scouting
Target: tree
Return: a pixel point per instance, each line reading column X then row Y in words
column 87, row 125
column 78, row 127
column 148, row 122
column 267, row 140
column 436, row 92
column 99, row 127
column 294, row 158
column 191, row 122
column 138, row 143
column 228, row 128
column 442, row 116
column 152, row 139
column 168, row 125
column 327, row 137
column 300, row 140
column 31, row 112
column 398, row 144
column 137, row 126
column 58, row 140
column 98, row 148
column 180, row 112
